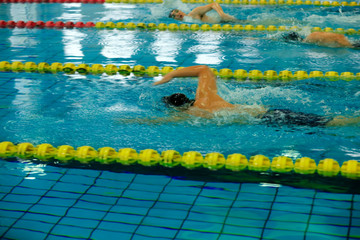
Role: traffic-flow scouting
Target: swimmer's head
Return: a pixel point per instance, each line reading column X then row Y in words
column 177, row 14
column 292, row 37
column 178, row 100
column 356, row 45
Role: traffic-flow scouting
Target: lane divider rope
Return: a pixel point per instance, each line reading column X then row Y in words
column 167, row 27
column 234, row 2
column 190, row 160
column 275, row 2
column 151, row 71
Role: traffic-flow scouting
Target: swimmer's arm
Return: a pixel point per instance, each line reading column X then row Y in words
column 193, row 71
column 153, row 120
column 199, row 11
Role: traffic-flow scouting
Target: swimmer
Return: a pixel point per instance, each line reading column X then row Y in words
column 327, row 39
column 207, row 103
column 199, row 13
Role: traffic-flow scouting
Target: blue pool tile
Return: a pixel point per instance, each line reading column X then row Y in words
column 317, row 236
column 258, row 214
column 177, row 198
column 7, row 221
column 111, row 184
column 152, row 179
column 253, row 197
column 217, row 193
column 101, row 234
column 58, row 194
column 156, row 232
column 50, row 176
column 187, row 183
column 288, row 216
column 333, row 203
column 355, row 232
column 85, row 213
column 208, row 201
column 256, row 188
column 282, row 234
column 162, row 222
column 10, row 214
column 10, row 180
column 104, row 191
column 229, row 187
column 41, row 217
column 92, row 206
column 15, row 233
column 354, row 222
column 69, row 231
column 19, row 198
column 289, row 191
column 61, row 202
column 291, row 226
column 134, row 202
column 79, row 222
column 184, row 190
column 78, row 179
column 84, row 172
column 252, row 204
column 334, row 196
column 146, row 187
column 123, row 218
column 170, row 213
column 243, row 231
column 124, row 177
column 14, row 206
column 329, row 229
column 6, row 189
column 129, row 210
column 46, row 209
column 294, row 200
column 356, row 213
column 291, row 207
column 3, row 230
column 202, row 226
column 70, row 187
column 329, row 211
column 206, row 217
column 99, row 199
column 34, row 225
column 140, row 195
column 37, row 184
column 175, row 206
column 191, row 235
column 331, row 220
column 29, row 191
column 117, row 226
column 243, row 222
column 218, row 211
column 236, row 237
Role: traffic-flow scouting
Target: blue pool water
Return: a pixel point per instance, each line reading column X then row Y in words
column 39, row 201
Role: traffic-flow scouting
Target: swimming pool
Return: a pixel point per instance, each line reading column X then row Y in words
column 47, row 202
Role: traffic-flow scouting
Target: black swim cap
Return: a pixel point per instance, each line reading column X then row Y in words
column 292, row 36
column 356, row 45
column 177, row 100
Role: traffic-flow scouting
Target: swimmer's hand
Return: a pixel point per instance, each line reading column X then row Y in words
column 227, row 18
column 165, row 79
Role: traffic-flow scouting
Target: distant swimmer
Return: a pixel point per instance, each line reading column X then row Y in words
column 327, row 39
column 199, row 13
column 208, row 103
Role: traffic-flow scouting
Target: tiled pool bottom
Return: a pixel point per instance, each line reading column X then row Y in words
column 45, row 202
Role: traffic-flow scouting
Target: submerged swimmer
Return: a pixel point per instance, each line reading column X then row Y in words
column 199, row 13
column 207, row 103
column 322, row 38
